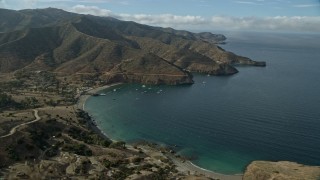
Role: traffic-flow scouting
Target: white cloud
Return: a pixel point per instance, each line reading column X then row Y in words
column 306, row 5
column 79, row 1
column 18, row 4
column 86, row 1
column 278, row 23
column 29, row 4
column 163, row 19
column 3, row 4
column 249, row 2
column 189, row 22
column 94, row 10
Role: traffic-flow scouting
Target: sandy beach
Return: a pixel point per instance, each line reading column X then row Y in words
column 83, row 98
column 186, row 167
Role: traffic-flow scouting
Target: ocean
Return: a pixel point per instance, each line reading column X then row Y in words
column 223, row 123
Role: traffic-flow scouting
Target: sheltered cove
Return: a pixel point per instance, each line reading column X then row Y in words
column 182, row 165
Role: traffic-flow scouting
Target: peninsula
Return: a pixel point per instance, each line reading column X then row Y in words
column 69, row 44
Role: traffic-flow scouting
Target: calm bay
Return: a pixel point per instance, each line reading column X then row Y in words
column 223, row 123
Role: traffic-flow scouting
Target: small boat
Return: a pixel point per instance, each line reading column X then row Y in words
column 114, row 90
column 102, row 94
column 143, row 86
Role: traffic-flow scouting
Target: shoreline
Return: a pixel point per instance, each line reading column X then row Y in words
column 184, row 166
column 83, row 98
column 82, row 101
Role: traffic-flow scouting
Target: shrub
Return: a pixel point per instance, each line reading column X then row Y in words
column 79, row 149
column 119, row 144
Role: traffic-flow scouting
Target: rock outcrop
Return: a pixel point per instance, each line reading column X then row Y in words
column 283, row 170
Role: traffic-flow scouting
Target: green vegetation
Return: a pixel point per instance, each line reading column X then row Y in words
column 29, row 102
column 11, row 85
column 39, row 138
column 87, row 137
column 83, row 168
column 51, row 103
column 79, row 149
column 53, row 151
column 23, row 75
column 118, row 145
column 123, row 172
column 121, row 165
column 13, row 155
column 83, row 117
column 41, row 133
column 137, row 160
column 114, row 164
column 7, row 102
column 161, row 174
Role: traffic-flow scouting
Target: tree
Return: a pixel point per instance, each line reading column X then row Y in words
column 6, row 101
column 30, row 102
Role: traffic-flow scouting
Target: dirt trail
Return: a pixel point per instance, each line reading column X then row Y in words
column 14, row 129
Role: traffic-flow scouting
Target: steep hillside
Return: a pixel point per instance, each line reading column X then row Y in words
column 32, row 18
column 54, row 40
column 162, row 72
column 22, row 48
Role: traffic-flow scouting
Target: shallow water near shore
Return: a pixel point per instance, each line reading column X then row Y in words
column 224, row 123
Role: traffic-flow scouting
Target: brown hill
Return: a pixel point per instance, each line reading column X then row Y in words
column 55, row 40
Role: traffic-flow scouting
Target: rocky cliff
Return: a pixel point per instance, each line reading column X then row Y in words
column 282, row 170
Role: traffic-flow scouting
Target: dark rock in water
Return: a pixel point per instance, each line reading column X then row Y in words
column 260, row 63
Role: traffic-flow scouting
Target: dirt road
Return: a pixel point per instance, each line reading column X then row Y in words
column 14, row 129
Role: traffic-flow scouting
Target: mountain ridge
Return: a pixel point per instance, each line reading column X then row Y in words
column 59, row 41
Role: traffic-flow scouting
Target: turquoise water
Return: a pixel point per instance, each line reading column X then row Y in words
column 223, row 123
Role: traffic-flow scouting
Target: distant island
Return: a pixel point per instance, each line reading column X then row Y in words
column 50, row 59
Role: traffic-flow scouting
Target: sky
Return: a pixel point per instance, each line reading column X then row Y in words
column 196, row 15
